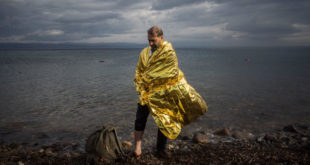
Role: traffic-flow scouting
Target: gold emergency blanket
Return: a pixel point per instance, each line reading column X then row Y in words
column 162, row 86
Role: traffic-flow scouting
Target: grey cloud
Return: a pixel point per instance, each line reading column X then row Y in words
column 256, row 20
column 165, row 4
column 84, row 18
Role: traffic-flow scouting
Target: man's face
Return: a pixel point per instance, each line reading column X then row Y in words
column 155, row 41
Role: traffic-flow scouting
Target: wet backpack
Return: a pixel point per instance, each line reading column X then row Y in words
column 103, row 146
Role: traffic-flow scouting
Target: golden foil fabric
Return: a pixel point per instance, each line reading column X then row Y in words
column 162, row 86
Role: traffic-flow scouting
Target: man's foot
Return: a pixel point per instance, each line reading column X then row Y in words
column 137, row 153
column 163, row 154
column 134, row 155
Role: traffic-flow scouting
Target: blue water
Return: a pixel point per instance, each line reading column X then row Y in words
column 64, row 95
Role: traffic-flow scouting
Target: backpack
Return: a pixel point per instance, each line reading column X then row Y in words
column 103, row 146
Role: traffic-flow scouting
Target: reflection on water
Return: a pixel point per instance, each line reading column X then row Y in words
column 55, row 95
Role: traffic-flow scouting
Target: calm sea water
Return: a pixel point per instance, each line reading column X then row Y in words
column 64, row 95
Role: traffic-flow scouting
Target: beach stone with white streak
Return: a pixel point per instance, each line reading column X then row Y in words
column 200, row 138
column 222, row 132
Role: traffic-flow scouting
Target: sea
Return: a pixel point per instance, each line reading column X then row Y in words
column 49, row 96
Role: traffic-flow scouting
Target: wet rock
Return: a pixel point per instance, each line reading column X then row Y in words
column 222, row 132
column 304, row 139
column 170, row 147
column 75, row 154
column 239, row 135
column 67, row 144
column 200, row 138
column 57, row 146
column 227, row 139
column 14, row 145
column 290, row 128
column 41, row 151
column 132, row 135
column 126, row 144
column 260, row 139
column 49, row 152
column 66, row 155
column 296, row 128
column 270, row 138
column 76, row 146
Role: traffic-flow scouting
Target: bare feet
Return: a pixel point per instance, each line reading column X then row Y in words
column 137, row 152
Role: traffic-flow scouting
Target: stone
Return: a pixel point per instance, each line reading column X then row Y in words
column 49, row 152
column 75, row 146
column 75, row 154
column 238, row 135
column 243, row 135
column 304, row 139
column 66, row 154
column 20, row 163
column 296, row 128
column 200, row 138
column 270, row 138
column 170, row 146
column 126, row 144
column 14, row 145
column 260, row 139
column 290, row 128
column 132, row 135
column 41, row 151
column 222, row 132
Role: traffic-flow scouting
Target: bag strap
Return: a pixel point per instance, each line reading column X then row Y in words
column 112, row 129
column 118, row 142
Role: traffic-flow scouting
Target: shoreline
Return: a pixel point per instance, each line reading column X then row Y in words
column 290, row 145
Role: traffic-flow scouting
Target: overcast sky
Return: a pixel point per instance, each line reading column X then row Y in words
column 184, row 22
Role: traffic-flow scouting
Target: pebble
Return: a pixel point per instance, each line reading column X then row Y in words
column 200, row 138
column 270, row 138
column 260, row 139
column 20, row 163
column 41, row 150
column 126, row 144
column 66, row 154
column 75, row 154
column 222, row 132
column 49, row 152
column 238, row 135
column 132, row 135
column 290, row 128
column 304, row 139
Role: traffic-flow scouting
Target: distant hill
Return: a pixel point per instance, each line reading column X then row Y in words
column 13, row 46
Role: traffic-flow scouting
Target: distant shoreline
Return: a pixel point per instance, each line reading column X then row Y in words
column 87, row 46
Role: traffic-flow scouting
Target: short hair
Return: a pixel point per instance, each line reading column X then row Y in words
column 155, row 30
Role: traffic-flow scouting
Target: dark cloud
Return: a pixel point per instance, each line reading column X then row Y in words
column 165, row 4
column 212, row 21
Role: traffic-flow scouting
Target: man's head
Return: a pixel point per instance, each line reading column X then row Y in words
column 155, row 37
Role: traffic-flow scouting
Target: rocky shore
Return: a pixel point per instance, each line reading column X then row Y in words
column 290, row 145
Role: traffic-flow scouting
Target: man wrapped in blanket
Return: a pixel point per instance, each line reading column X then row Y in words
column 164, row 92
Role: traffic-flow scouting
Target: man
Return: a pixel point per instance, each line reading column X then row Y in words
column 163, row 92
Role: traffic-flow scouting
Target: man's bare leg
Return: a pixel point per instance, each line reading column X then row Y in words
column 138, row 142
